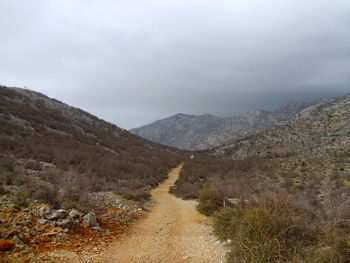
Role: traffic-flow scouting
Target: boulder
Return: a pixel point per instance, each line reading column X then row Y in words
column 74, row 214
column 62, row 213
column 56, row 214
column 89, row 220
column 64, row 223
column 44, row 210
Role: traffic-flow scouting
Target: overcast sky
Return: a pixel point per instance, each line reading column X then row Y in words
column 132, row 62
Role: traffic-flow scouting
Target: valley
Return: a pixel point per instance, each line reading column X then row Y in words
column 76, row 188
column 175, row 131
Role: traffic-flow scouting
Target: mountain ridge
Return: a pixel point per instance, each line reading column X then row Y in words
column 199, row 132
column 322, row 127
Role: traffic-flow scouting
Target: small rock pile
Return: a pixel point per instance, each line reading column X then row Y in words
column 66, row 219
column 20, row 229
column 29, row 232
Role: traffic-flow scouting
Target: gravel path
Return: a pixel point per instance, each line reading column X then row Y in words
column 172, row 232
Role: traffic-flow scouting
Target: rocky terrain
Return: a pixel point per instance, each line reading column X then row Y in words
column 181, row 130
column 29, row 234
column 206, row 131
column 68, row 179
column 72, row 186
column 173, row 231
column 291, row 184
column 321, row 129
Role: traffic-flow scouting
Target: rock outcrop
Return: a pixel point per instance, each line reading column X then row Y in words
column 90, row 220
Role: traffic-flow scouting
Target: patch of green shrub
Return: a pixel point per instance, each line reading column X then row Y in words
column 272, row 230
column 333, row 246
column 20, row 198
column 5, row 177
column 210, row 201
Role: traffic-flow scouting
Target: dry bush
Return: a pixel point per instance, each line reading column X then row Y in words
column 3, row 191
column 273, row 229
column 43, row 192
column 33, row 165
column 278, row 228
column 8, row 163
column 185, row 190
column 210, row 200
column 137, row 194
column 20, row 198
column 232, row 177
column 333, row 246
column 100, row 153
column 6, row 177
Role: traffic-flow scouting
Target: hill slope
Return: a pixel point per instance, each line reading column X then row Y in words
column 206, row 131
column 181, row 130
column 320, row 129
column 291, row 184
column 95, row 154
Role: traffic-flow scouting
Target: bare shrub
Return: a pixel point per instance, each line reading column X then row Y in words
column 5, row 177
column 43, row 192
column 187, row 190
column 210, row 201
column 138, row 194
column 3, row 190
column 8, row 163
column 33, row 165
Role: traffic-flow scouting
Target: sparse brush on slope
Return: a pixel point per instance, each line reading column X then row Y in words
column 313, row 223
column 276, row 228
column 210, row 200
column 84, row 154
column 279, row 221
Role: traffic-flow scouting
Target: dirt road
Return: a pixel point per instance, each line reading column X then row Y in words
column 172, row 232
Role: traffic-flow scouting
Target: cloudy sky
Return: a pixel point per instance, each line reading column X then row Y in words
column 131, row 62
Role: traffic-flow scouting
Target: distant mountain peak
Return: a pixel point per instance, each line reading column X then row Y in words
column 193, row 132
column 182, row 115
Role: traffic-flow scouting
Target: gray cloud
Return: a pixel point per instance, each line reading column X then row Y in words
column 132, row 62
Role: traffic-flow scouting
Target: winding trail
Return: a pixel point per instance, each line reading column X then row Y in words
column 173, row 232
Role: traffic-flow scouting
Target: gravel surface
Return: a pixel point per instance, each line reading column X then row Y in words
column 172, row 232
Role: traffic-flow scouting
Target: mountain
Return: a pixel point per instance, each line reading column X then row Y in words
column 294, row 176
column 87, row 153
column 319, row 130
column 181, row 130
column 206, row 131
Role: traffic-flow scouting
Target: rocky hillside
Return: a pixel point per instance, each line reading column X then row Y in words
column 181, row 130
column 36, row 131
column 294, row 177
column 321, row 129
column 206, row 131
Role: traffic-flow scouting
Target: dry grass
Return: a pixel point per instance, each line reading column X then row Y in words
column 276, row 228
column 297, row 209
